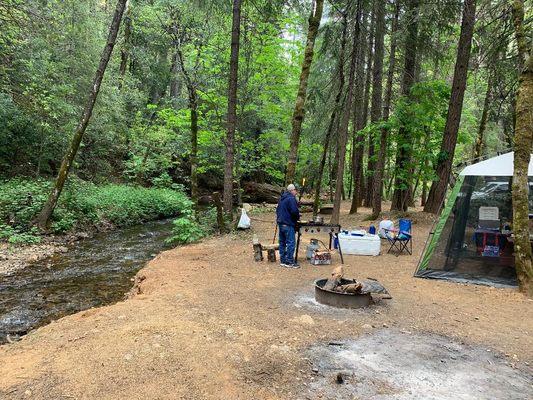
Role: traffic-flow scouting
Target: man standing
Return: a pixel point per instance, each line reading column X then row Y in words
column 287, row 216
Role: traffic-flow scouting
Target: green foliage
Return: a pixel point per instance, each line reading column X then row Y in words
column 19, row 137
column 83, row 205
column 15, row 237
column 140, row 132
column 189, row 228
column 423, row 116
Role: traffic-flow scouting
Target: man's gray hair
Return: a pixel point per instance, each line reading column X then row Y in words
column 291, row 187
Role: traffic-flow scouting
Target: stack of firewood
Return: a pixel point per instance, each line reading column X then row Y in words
column 336, row 283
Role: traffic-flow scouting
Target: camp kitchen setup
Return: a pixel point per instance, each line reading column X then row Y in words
column 319, row 248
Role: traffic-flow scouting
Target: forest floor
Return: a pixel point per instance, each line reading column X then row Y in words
column 207, row 322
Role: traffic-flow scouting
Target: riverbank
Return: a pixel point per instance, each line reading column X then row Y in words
column 84, row 209
column 15, row 257
column 206, row 322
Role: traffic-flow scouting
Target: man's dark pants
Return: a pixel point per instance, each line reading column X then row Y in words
column 287, row 242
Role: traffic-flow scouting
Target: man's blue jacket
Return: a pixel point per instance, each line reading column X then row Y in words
column 287, row 210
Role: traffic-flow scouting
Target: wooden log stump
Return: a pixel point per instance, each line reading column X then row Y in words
column 271, row 255
column 258, row 252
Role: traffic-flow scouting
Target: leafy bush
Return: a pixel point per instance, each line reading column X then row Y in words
column 188, row 229
column 84, row 205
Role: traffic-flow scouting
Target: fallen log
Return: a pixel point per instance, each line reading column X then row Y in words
column 254, row 192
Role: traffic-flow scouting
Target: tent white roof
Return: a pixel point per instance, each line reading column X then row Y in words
column 496, row 166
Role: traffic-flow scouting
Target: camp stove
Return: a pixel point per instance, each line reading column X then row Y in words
column 332, row 230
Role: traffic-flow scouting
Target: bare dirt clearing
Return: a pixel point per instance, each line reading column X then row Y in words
column 207, row 322
column 398, row 365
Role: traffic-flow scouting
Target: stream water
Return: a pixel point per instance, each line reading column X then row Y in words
column 93, row 272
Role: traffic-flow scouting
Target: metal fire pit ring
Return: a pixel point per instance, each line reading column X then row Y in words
column 340, row 300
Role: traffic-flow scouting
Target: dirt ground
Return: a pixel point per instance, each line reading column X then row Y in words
column 207, row 322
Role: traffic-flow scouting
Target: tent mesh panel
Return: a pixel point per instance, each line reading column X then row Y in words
column 467, row 249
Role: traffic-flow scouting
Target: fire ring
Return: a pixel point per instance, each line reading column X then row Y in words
column 340, row 300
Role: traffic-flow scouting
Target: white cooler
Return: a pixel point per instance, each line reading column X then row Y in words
column 367, row 245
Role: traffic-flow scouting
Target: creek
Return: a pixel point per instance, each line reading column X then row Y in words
column 94, row 272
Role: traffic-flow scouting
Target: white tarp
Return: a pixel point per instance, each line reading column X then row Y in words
column 496, row 166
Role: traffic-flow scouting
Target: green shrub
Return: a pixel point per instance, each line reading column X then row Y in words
column 83, row 205
column 13, row 236
column 188, row 229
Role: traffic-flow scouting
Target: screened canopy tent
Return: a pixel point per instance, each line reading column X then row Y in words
column 472, row 240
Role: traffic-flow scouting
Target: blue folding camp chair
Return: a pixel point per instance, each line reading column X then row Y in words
column 401, row 239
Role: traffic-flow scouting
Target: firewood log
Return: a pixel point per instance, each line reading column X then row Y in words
column 258, row 252
column 335, row 279
column 352, row 288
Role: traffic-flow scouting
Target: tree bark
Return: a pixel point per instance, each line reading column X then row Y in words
column 232, row 109
column 449, row 140
column 299, row 108
column 382, row 153
column 174, row 80
column 522, row 154
column 43, row 218
column 521, row 40
column 370, row 81
column 423, row 196
column 126, row 46
column 193, row 109
column 478, row 149
column 336, row 108
column 358, row 123
column 343, row 127
column 377, row 90
column 403, row 154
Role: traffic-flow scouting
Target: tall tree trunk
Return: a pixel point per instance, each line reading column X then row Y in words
column 330, row 171
column 521, row 39
column 193, row 109
column 423, row 196
column 377, row 88
column 343, row 127
column 449, row 140
column 232, row 108
column 523, row 147
column 43, row 218
column 174, row 80
column 350, row 175
column 376, row 73
column 126, row 46
column 478, row 149
column 522, row 154
column 380, row 164
column 299, row 108
column 358, row 123
column 336, row 108
column 321, row 167
column 403, row 156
